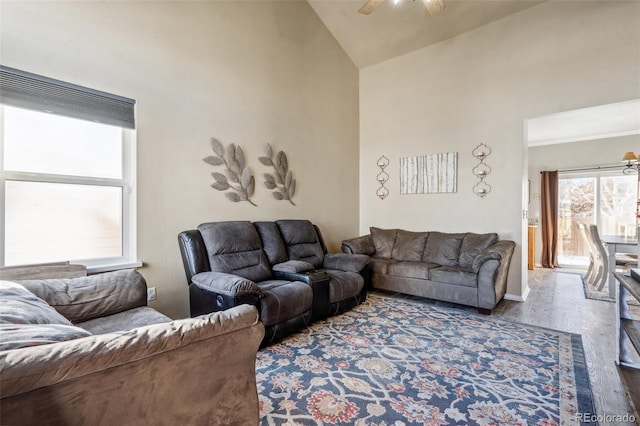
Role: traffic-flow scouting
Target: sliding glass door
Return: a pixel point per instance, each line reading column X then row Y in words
column 608, row 200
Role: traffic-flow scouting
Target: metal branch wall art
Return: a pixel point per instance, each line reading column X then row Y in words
column 282, row 180
column 382, row 177
column 481, row 170
column 238, row 179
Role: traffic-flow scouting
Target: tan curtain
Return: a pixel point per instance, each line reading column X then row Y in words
column 549, row 218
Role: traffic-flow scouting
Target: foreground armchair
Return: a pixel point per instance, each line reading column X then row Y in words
column 118, row 361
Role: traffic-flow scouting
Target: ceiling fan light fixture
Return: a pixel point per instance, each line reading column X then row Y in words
column 370, row 6
column 434, row 6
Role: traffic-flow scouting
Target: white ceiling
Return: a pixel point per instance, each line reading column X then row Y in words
column 599, row 122
column 395, row 29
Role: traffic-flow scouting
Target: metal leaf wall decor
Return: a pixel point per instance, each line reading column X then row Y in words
column 282, row 180
column 237, row 180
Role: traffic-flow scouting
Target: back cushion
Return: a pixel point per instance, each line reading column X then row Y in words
column 473, row 245
column 383, row 240
column 272, row 242
column 235, row 248
column 443, row 248
column 301, row 240
column 409, row 246
column 19, row 306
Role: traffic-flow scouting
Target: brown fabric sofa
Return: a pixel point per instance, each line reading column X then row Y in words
column 102, row 357
column 464, row 268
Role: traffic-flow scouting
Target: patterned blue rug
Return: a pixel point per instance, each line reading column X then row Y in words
column 398, row 361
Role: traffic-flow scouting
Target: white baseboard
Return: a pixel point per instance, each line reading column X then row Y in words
column 518, row 298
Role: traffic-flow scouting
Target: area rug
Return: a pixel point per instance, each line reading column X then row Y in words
column 398, row 361
column 589, row 291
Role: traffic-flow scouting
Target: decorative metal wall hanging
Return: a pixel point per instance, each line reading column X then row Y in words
column 382, row 177
column 427, row 174
column 282, row 180
column 236, row 172
column 481, row 170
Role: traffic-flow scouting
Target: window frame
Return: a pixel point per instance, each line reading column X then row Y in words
column 596, row 174
column 128, row 259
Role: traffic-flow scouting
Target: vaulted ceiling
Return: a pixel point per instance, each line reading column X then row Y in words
column 394, row 29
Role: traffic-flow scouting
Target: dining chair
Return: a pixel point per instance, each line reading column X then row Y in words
column 600, row 257
column 582, row 227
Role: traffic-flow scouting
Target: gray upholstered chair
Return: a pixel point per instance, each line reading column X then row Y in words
column 226, row 266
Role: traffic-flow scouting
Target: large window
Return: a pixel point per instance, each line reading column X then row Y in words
column 607, row 200
column 67, row 186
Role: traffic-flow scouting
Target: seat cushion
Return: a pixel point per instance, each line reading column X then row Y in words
column 419, row 270
column 343, row 285
column 383, row 240
column 443, row 248
column 235, row 248
column 409, row 245
column 457, row 276
column 283, row 300
column 473, row 245
column 381, row 266
column 124, row 321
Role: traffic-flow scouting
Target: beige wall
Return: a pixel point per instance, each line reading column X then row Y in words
column 567, row 156
column 479, row 87
column 245, row 72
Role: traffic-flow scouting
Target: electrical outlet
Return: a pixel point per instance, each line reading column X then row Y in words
column 151, row 294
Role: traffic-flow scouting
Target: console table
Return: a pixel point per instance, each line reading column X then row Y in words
column 628, row 338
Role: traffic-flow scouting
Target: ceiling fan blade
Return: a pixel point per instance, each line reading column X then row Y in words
column 370, row 6
column 434, row 6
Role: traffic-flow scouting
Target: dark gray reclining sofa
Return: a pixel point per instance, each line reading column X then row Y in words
column 465, row 268
column 280, row 267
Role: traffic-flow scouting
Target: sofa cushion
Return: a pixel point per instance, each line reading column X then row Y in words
column 293, row 266
column 419, row 270
column 235, row 248
column 457, row 276
column 383, row 240
column 93, row 296
column 302, row 241
column 473, row 245
column 343, row 285
column 409, row 245
column 19, row 306
column 443, row 248
column 124, row 321
column 16, row 336
column 381, row 266
column 272, row 243
column 283, row 300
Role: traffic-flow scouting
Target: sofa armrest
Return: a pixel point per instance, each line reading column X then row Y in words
column 493, row 269
column 82, row 378
column 500, row 250
column 346, row 262
column 359, row 245
column 293, row 266
column 94, row 296
column 226, row 284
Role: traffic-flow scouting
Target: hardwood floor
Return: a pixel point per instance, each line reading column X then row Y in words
column 559, row 303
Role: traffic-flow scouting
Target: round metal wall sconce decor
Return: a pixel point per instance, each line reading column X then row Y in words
column 382, row 177
column 481, row 170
